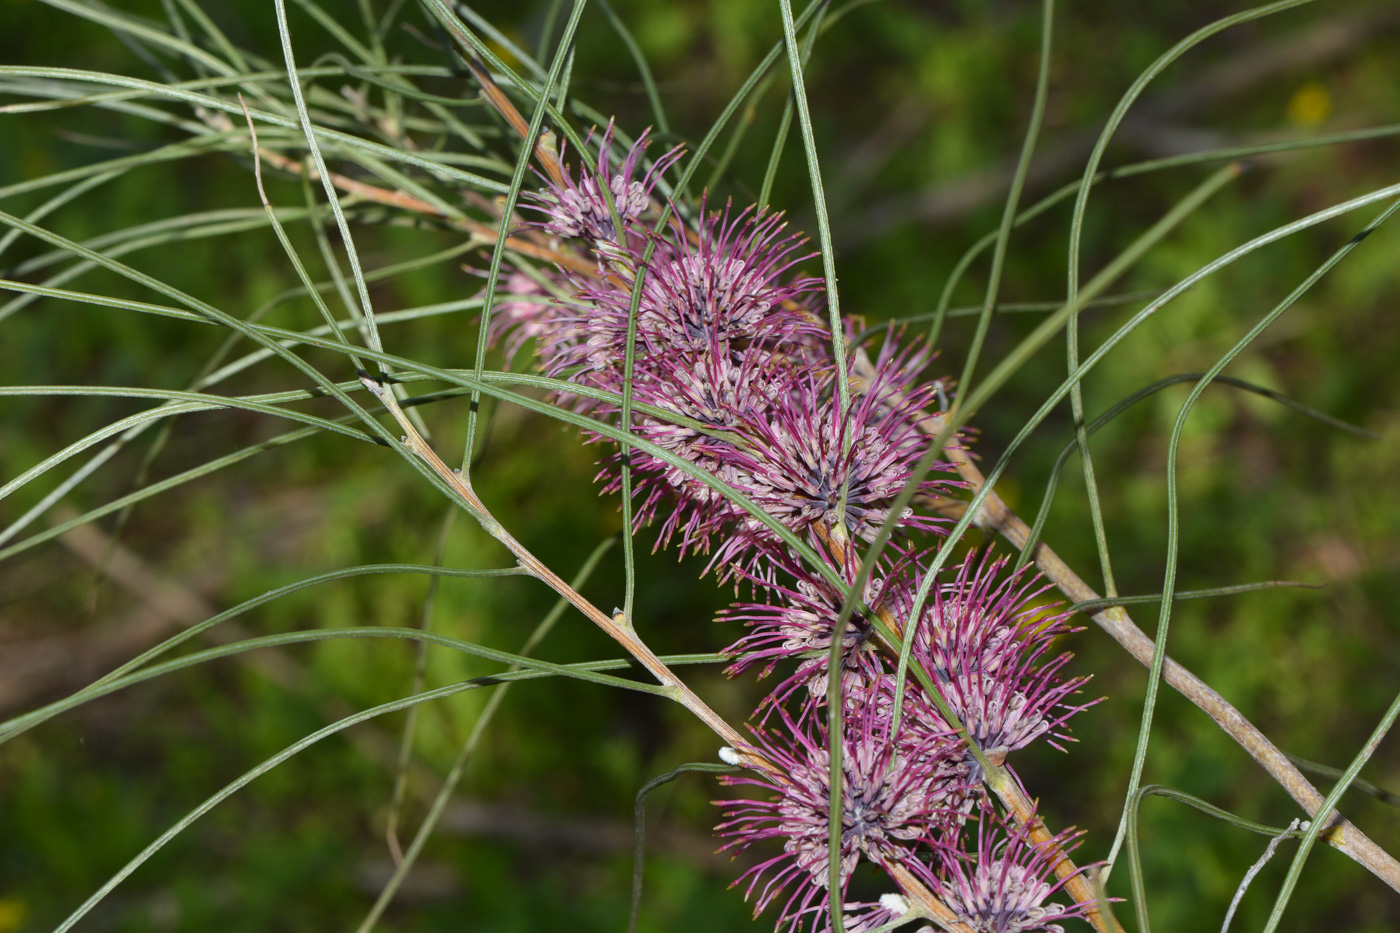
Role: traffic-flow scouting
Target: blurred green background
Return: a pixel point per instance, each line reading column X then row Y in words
column 919, row 109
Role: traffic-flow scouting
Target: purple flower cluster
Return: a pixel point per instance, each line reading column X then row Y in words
column 984, row 639
column 1003, row 884
column 595, row 205
column 890, row 802
column 983, row 642
column 734, row 378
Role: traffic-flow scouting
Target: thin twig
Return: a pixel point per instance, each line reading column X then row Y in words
column 922, row 898
column 614, row 626
column 403, row 201
column 492, row 94
column 1255, row 869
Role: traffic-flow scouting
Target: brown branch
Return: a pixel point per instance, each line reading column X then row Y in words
column 69, row 662
column 525, row 246
column 56, row 663
column 996, row 516
column 615, row 626
column 548, row 158
column 408, row 202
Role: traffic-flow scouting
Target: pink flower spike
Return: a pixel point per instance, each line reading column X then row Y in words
column 805, row 458
column 796, row 624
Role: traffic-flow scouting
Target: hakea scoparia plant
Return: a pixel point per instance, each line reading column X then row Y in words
column 728, row 338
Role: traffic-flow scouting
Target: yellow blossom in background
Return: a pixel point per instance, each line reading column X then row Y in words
column 1310, row 105
column 12, row 912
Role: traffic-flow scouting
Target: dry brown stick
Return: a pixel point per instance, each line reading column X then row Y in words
column 389, row 197
column 615, row 626
column 408, row 202
column 996, row 516
column 63, row 661
column 166, row 603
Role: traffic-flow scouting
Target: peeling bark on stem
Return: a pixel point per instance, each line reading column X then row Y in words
column 1342, row 835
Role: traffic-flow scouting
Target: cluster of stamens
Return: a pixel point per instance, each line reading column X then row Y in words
column 727, row 341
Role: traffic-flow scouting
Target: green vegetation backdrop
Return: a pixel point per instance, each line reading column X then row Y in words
column 919, row 111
